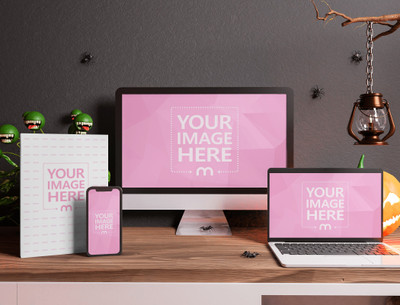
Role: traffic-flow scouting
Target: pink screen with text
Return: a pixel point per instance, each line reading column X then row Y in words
column 318, row 205
column 202, row 140
column 104, row 222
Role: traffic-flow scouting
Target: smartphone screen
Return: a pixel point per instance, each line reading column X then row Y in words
column 104, row 220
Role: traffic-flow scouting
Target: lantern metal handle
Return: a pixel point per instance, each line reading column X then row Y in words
column 349, row 127
column 391, row 122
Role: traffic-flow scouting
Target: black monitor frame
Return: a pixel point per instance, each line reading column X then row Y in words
column 200, row 90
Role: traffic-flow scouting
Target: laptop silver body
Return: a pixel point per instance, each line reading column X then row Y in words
column 327, row 218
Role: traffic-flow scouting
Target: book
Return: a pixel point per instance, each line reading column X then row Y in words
column 56, row 170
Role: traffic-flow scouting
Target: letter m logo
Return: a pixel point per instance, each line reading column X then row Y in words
column 325, row 226
column 66, row 208
column 204, row 171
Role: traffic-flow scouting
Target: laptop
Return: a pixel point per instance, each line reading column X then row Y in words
column 327, row 218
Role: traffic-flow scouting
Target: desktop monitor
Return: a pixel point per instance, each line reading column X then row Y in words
column 201, row 149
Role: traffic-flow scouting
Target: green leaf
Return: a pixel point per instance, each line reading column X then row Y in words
column 8, row 200
column 13, row 172
column 4, row 174
column 5, row 181
column 6, row 185
column 11, row 162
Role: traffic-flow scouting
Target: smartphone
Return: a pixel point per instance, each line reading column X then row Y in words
column 104, row 220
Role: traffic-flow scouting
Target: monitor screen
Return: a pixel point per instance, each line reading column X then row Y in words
column 208, row 138
column 325, row 205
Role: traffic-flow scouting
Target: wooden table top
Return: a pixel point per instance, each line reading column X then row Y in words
column 158, row 255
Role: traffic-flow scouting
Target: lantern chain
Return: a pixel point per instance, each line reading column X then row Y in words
column 370, row 56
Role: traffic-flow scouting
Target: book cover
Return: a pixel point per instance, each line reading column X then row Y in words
column 56, row 170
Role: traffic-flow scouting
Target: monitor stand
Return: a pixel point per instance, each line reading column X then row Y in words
column 204, row 222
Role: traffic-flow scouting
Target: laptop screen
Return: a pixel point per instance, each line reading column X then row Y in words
column 325, row 205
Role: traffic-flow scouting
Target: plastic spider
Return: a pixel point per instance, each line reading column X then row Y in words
column 356, row 57
column 249, row 254
column 86, row 58
column 317, row 92
column 206, row 228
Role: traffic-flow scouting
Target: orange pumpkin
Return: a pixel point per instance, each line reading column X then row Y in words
column 391, row 203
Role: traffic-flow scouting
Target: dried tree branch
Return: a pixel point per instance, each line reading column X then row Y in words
column 392, row 29
column 382, row 20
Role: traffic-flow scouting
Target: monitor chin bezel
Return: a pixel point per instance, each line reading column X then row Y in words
column 194, row 190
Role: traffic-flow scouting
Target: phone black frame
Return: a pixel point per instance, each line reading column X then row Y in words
column 199, row 90
column 325, row 170
column 103, row 189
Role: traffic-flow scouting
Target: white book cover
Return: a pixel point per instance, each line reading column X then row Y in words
column 56, row 170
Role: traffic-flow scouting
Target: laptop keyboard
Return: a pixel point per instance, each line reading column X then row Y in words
column 334, row 249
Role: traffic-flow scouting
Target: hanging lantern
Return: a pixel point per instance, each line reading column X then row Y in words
column 373, row 114
column 373, row 111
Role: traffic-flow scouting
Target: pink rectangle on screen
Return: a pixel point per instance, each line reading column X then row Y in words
column 325, row 205
column 202, row 140
column 103, row 222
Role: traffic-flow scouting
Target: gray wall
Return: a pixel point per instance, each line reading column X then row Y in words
column 197, row 43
